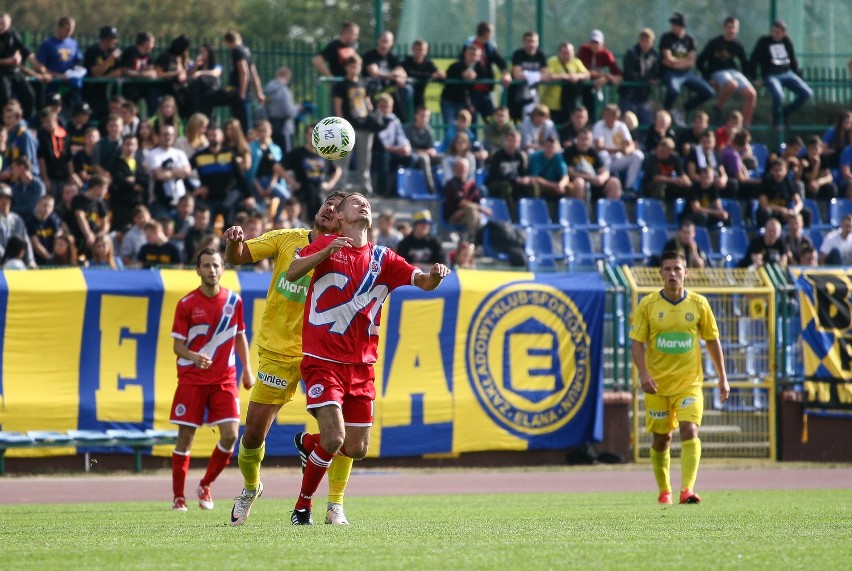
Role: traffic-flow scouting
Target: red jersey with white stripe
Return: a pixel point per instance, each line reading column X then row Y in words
column 343, row 308
column 209, row 325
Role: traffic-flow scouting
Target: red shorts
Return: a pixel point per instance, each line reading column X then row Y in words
column 221, row 402
column 345, row 385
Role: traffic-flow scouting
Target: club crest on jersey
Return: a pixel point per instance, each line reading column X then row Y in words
column 339, row 256
column 375, row 267
column 180, row 410
column 315, row 391
column 529, row 396
column 689, row 317
column 661, row 315
column 228, row 311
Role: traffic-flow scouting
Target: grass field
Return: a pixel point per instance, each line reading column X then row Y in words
column 745, row 530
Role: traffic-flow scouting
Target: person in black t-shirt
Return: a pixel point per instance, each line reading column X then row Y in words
column 157, row 251
column 91, row 215
column 137, row 63
column 350, row 101
column 243, row 77
column 331, row 61
column 768, row 248
column 677, row 52
column 723, row 60
column 703, row 205
column 421, row 69
column 421, row 248
column 457, row 93
column 384, row 74
column 588, row 172
column 508, row 173
column 529, row 65
column 101, row 60
column 13, row 75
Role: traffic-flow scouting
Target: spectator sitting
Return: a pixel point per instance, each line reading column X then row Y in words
column 589, row 174
column 281, row 109
column 508, row 173
column 536, row 128
column 795, row 240
column 157, row 251
column 602, row 66
column 421, row 248
column 391, row 149
column 54, row 158
column 129, row 113
column 291, row 217
column 579, row 121
column 168, row 167
column 462, row 258
column 704, row 156
column 703, row 205
column 83, row 162
column 684, row 241
column 837, row 138
column 549, row 174
column 661, row 129
column 103, row 255
column 134, row 238
column 678, row 56
column 687, row 138
column 129, row 185
column 43, row 225
column 726, row 132
column 267, row 174
column 733, row 161
column 566, row 74
column 496, row 129
column 459, row 150
column 91, row 214
column 26, row 188
column 12, row 224
column 778, row 197
column 808, row 256
column 385, row 234
column 613, row 138
column 723, row 61
column 768, row 248
column 462, row 124
column 195, row 137
column 108, row 148
column 664, row 177
column 19, row 140
column 200, row 229
column 13, row 256
column 422, row 140
column 845, row 164
column 463, row 201
column 816, row 176
column 836, row 249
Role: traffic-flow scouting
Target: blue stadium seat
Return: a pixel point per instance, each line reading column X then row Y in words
column 574, row 214
column 618, row 248
column 577, row 246
column 653, row 240
column 612, row 213
column 533, row 213
column 411, row 184
column 838, row 208
column 735, row 212
column 540, row 250
column 499, row 209
column 679, row 207
column 761, row 155
column 702, row 238
column 816, row 215
column 651, row 213
column 733, row 243
column 481, row 176
column 817, row 236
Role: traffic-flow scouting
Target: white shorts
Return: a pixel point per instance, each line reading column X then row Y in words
column 723, row 76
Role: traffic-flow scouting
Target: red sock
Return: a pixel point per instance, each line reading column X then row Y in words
column 318, row 463
column 180, row 466
column 310, row 441
column 217, row 463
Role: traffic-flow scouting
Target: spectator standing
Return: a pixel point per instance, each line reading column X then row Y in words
column 137, row 65
column 43, row 226
column 204, row 77
column 172, row 67
column 529, row 69
column 458, row 93
column 421, row 248
column 59, row 54
column 331, row 61
column 488, row 56
column 384, row 74
column 14, row 54
column 723, row 61
column 613, row 138
column 565, row 74
column 101, row 60
column 602, row 67
column 242, row 78
column 421, row 70
column 351, row 102
column 678, row 55
column 281, row 109
column 774, row 60
column 641, row 66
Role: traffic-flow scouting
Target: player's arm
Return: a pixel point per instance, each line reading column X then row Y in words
column 637, row 350
column 301, row 266
column 242, row 348
column 201, row 360
column 236, row 253
column 714, row 348
column 428, row 282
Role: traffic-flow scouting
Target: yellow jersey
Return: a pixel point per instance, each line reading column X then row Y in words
column 281, row 324
column 670, row 332
column 551, row 94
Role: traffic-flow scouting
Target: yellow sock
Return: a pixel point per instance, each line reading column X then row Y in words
column 338, row 477
column 690, row 456
column 250, row 459
column 661, row 462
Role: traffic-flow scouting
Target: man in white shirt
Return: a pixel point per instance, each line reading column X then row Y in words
column 836, row 249
column 168, row 166
column 613, row 140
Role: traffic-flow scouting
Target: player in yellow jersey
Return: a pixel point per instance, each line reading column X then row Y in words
column 279, row 343
column 665, row 336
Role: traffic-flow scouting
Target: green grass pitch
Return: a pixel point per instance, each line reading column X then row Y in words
column 729, row 530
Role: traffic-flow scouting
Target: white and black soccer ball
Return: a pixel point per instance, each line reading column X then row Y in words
column 333, row 138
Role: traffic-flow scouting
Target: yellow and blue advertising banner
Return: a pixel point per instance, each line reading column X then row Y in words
column 825, row 299
column 488, row 361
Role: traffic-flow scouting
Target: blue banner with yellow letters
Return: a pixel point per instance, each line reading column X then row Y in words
column 488, row 361
column 825, row 299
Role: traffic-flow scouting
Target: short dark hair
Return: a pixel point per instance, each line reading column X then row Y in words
column 143, row 37
column 204, row 252
column 672, row 255
column 730, row 20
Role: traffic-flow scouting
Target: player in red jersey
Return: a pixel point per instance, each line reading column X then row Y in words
column 208, row 327
column 351, row 280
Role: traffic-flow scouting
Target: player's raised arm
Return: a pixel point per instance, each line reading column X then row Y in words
column 235, row 252
column 301, row 266
column 433, row 279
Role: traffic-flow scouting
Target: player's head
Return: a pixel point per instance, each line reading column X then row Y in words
column 673, row 269
column 354, row 209
column 326, row 219
column 209, row 266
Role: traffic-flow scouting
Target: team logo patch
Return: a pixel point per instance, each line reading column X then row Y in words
column 528, row 358
column 315, row 391
column 687, row 401
column 375, row 268
column 658, row 414
column 689, row 317
column 660, row 315
column 228, row 311
column 180, row 410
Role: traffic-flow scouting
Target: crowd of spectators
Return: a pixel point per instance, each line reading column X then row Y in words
column 86, row 177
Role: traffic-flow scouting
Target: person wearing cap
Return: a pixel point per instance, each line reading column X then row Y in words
column 678, row 55
column 641, row 65
column 13, row 225
column 421, row 248
column 59, row 54
column 774, row 59
column 603, row 70
column 101, row 61
column 723, row 60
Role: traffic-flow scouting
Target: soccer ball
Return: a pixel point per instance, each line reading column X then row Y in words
column 333, row 138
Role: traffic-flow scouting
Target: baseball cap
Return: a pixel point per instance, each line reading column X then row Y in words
column 422, row 216
column 5, row 190
column 596, row 36
column 108, row 32
column 56, row 99
column 678, row 19
column 83, row 108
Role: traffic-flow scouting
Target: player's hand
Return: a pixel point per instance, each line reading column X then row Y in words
column 233, row 234
column 724, row 390
column 201, row 360
column 338, row 243
column 248, row 379
column 439, row 271
column 648, row 385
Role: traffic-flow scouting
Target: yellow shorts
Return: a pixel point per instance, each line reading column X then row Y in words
column 663, row 413
column 277, row 378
